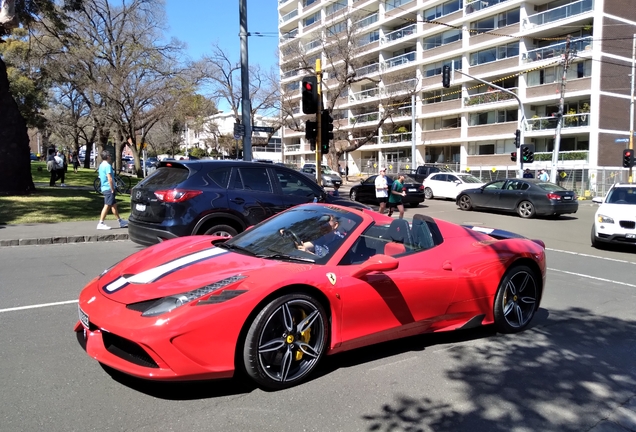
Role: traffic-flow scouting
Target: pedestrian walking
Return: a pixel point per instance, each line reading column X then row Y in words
column 59, row 167
column 381, row 189
column 335, row 192
column 543, row 176
column 395, row 198
column 75, row 161
column 51, row 167
column 107, row 178
column 527, row 174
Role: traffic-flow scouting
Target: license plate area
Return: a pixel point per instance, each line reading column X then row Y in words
column 83, row 317
column 566, row 198
column 140, row 207
column 412, row 190
column 630, row 236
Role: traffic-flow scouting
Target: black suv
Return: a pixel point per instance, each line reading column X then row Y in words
column 216, row 197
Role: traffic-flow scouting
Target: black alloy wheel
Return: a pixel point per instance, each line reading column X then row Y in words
column 465, row 203
column 517, row 299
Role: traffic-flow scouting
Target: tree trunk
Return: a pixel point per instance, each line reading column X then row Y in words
column 15, row 161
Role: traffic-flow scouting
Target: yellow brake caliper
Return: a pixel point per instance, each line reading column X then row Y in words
column 304, row 336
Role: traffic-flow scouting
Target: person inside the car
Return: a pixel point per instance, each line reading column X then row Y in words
column 330, row 237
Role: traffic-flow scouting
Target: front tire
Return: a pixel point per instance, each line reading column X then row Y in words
column 517, row 299
column 428, row 193
column 286, row 341
column 595, row 243
column 525, row 209
column 465, row 203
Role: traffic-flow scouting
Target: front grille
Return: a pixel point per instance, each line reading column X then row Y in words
column 627, row 224
column 127, row 350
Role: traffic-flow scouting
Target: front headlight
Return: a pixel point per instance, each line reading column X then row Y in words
column 604, row 219
column 170, row 303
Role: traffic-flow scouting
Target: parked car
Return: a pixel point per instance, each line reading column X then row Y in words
column 365, row 191
column 527, row 197
column 423, row 171
column 329, row 177
column 220, row 197
column 615, row 219
column 33, row 157
column 449, row 184
column 204, row 308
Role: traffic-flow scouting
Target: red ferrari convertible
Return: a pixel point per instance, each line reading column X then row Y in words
column 312, row 281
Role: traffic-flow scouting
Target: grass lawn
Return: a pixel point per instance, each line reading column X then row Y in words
column 58, row 204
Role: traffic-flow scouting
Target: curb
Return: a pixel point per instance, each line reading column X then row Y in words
column 63, row 240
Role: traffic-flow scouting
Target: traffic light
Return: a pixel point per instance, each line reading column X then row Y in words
column 628, row 158
column 446, row 76
column 517, row 138
column 310, row 95
column 311, row 130
column 527, row 153
column 326, row 131
column 513, row 156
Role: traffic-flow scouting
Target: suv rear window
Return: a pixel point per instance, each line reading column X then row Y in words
column 167, row 176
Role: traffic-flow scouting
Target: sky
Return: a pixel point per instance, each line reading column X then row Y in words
column 200, row 23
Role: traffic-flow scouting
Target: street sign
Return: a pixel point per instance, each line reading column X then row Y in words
column 239, row 130
column 267, row 129
column 621, row 140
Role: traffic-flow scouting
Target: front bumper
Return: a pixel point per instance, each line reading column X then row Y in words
column 147, row 235
column 614, row 233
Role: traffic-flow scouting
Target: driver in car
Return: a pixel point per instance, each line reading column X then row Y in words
column 329, row 236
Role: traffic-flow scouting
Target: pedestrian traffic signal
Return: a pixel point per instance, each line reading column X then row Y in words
column 310, row 95
column 326, row 131
column 446, row 76
column 513, row 156
column 311, row 130
column 527, row 153
column 628, row 158
column 517, row 138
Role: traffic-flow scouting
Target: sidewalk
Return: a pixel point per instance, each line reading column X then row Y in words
column 62, row 232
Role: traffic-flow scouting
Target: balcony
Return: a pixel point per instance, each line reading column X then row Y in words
column 559, row 13
column 362, row 95
column 477, row 5
column 555, row 51
column 368, row 69
column 396, row 138
column 404, row 111
column 399, row 34
column 313, row 44
column 289, row 16
column 548, row 123
column 399, row 60
column 366, row 22
column 288, row 36
column 489, row 97
column 402, row 86
column 289, row 74
column 364, row 118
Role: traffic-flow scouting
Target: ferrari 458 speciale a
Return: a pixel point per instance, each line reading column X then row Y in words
column 315, row 280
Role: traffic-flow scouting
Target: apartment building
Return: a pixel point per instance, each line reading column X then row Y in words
column 519, row 45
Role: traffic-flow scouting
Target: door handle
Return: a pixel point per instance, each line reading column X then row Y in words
column 447, row 265
column 238, row 200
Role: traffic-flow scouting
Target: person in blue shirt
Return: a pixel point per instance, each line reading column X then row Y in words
column 107, row 178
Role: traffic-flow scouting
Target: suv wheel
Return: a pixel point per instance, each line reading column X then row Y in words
column 221, row 230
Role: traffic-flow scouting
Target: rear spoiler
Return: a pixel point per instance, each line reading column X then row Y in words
column 500, row 234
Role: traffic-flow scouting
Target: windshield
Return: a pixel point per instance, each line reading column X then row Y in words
column 327, row 170
column 622, row 196
column 470, row 179
column 311, row 233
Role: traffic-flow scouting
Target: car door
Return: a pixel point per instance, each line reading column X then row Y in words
column 296, row 188
column 437, row 183
column 451, row 186
column 251, row 194
column 512, row 192
column 366, row 190
column 489, row 196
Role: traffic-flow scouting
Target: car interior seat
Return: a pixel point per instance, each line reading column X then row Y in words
column 399, row 235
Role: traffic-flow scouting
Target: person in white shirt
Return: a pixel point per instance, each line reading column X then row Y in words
column 381, row 189
column 544, row 176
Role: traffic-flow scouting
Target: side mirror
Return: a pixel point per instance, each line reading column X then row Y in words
column 597, row 200
column 361, row 181
column 379, row 263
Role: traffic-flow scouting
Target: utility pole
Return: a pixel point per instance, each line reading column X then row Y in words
column 246, row 104
column 557, row 137
column 631, row 105
column 319, row 124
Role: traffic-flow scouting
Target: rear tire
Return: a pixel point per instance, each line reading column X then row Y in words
column 428, row 193
column 221, row 230
column 525, row 209
column 517, row 299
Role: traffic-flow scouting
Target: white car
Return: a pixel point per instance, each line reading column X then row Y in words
column 615, row 219
column 449, row 184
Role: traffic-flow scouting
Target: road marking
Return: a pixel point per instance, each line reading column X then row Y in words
column 593, row 277
column 38, row 306
column 590, row 256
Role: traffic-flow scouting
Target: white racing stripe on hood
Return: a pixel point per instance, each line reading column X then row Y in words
column 155, row 273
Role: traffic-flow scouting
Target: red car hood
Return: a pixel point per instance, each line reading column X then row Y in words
column 181, row 265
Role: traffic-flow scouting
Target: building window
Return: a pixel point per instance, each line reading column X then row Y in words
column 436, row 68
column 336, row 28
column 492, row 117
column 486, row 149
column 551, row 74
column 494, row 54
column 441, row 95
column 442, row 39
column 495, row 21
column 314, row 18
column 392, row 4
column 438, row 123
column 444, row 9
column 335, row 7
column 368, row 38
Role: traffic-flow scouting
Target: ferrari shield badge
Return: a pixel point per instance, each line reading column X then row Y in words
column 332, row 278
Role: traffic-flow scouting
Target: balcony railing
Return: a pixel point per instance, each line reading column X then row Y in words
column 404, row 111
column 396, row 138
column 293, row 147
column 362, row 118
column 289, row 16
column 552, row 51
column 569, row 121
column 559, row 13
column 365, row 22
column 399, row 60
column 406, row 85
column 369, row 69
column 399, row 34
column 362, row 95
column 477, row 5
column 280, row 2
column 291, row 73
column 489, row 97
column 288, row 36
column 313, row 44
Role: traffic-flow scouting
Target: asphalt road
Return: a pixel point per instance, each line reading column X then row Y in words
column 571, row 370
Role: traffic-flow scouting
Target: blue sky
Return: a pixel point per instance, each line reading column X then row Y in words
column 200, row 23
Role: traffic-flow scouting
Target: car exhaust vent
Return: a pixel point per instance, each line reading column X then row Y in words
column 127, row 350
column 142, row 306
